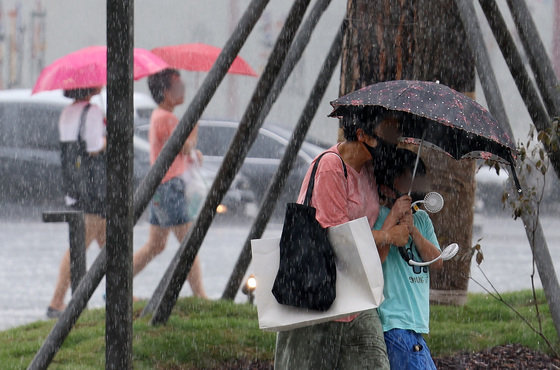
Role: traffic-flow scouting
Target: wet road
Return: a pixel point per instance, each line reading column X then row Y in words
column 30, row 253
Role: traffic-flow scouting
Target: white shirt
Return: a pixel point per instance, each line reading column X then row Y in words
column 93, row 131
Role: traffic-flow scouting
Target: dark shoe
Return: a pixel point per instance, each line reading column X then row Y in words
column 53, row 313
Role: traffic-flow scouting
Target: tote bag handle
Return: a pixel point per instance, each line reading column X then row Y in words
column 311, row 185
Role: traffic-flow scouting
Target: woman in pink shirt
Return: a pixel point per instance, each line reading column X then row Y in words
column 356, row 341
column 168, row 208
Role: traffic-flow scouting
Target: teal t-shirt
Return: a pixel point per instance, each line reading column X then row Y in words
column 407, row 288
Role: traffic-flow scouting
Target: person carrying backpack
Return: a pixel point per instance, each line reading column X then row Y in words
column 83, row 141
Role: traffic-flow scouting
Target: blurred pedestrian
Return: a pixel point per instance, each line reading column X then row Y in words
column 82, row 130
column 168, row 207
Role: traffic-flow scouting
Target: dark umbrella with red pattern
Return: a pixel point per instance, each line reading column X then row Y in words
column 434, row 115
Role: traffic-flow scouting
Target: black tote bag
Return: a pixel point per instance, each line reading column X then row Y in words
column 306, row 275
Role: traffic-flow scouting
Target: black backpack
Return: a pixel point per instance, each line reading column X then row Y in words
column 73, row 157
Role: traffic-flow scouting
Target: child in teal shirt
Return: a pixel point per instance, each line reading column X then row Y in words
column 405, row 311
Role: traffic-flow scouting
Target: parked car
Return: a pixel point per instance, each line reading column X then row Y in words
column 259, row 167
column 30, row 171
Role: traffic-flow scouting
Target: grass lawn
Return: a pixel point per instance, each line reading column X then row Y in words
column 484, row 322
column 202, row 334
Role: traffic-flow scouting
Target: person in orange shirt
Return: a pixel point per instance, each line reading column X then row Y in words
column 168, row 207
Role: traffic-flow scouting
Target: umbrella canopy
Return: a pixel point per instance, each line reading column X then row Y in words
column 88, row 68
column 434, row 115
column 199, row 57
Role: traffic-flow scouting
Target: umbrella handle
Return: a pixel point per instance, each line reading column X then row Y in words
column 417, row 160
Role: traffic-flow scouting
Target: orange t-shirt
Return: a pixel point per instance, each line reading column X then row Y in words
column 162, row 124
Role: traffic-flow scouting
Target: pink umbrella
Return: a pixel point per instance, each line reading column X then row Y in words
column 88, row 68
column 199, row 57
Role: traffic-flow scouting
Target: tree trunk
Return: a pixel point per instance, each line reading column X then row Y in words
column 420, row 40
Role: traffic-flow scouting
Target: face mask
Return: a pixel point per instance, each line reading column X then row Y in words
column 383, row 151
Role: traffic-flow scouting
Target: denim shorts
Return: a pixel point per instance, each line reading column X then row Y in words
column 408, row 350
column 169, row 205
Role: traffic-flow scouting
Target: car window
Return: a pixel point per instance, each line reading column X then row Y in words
column 213, row 140
column 38, row 126
column 266, row 147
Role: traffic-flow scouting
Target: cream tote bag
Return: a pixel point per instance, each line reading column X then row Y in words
column 359, row 284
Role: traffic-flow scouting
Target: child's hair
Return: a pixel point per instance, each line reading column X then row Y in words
column 366, row 118
column 160, row 82
column 386, row 171
column 80, row 94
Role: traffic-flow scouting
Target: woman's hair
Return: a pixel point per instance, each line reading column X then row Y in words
column 160, row 82
column 80, row 94
column 388, row 169
column 367, row 119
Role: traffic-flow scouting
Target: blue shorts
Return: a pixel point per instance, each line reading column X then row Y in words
column 408, row 350
column 169, row 205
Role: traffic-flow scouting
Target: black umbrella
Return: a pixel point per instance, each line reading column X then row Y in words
column 434, row 115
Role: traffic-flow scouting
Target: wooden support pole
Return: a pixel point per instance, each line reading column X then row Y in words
column 488, row 80
column 275, row 187
column 120, row 154
column 538, row 58
column 145, row 191
column 526, row 88
column 532, row 224
column 76, row 231
column 203, row 96
column 294, row 55
column 246, row 134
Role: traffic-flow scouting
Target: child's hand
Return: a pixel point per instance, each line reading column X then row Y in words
column 398, row 235
column 401, row 206
column 407, row 219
